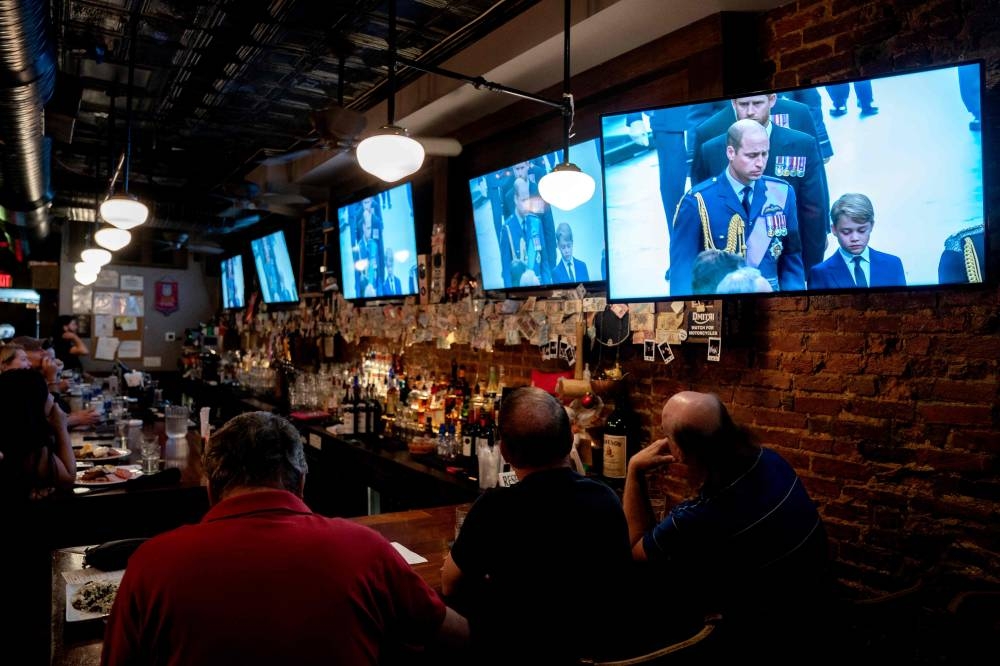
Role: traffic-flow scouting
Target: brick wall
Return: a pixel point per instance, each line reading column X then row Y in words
column 886, row 405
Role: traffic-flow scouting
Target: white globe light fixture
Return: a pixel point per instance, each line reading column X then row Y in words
column 391, row 154
column 124, row 211
column 85, row 278
column 83, row 267
column 112, row 238
column 96, row 256
column 401, row 256
column 566, row 187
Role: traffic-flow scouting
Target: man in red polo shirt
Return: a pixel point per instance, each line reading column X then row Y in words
column 263, row 580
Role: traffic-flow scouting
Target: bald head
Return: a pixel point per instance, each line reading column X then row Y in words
column 534, row 429
column 692, row 411
column 700, row 427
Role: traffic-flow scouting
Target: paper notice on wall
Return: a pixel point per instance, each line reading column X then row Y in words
column 130, row 349
column 126, row 324
column 131, row 283
column 83, row 299
column 107, row 279
column 135, row 306
column 103, row 326
column 103, row 301
column 106, row 348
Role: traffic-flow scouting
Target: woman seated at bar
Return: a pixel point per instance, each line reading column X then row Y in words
column 36, row 458
column 37, row 452
column 540, row 567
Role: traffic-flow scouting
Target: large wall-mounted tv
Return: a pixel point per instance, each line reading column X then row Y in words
column 523, row 242
column 897, row 159
column 274, row 268
column 378, row 245
column 232, row 282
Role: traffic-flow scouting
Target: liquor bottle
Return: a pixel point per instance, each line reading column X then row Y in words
column 360, row 411
column 374, row 412
column 616, row 443
column 348, row 411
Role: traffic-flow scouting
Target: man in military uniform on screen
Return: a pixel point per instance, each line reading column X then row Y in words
column 740, row 211
column 962, row 258
column 794, row 157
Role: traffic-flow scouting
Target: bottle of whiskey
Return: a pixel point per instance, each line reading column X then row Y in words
column 616, row 444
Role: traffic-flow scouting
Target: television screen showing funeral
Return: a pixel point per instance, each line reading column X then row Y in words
column 274, row 268
column 378, row 245
column 524, row 242
column 865, row 184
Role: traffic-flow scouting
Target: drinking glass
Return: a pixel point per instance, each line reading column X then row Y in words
column 150, row 451
column 176, row 420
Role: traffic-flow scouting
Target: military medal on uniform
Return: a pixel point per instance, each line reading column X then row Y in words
column 777, row 227
column 790, row 166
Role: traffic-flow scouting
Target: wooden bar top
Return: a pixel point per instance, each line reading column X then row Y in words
column 427, row 532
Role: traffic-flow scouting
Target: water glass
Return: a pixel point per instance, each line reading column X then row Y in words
column 176, row 420
column 121, row 433
column 150, row 451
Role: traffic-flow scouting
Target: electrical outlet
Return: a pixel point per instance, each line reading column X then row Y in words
column 169, row 336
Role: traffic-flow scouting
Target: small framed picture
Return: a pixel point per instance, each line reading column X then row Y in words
column 714, row 349
column 649, row 350
column 666, row 353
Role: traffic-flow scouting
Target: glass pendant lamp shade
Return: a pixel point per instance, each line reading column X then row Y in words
column 84, row 267
column 96, row 256
column 390, row 155
column 85, row 278
column 112, row 238
column 124, row 211
column 566, row 187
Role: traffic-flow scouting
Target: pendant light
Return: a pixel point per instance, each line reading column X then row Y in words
column 112, row 238
column 566, row 186
column 123, row 210
column 96, row 256
column 390, row 154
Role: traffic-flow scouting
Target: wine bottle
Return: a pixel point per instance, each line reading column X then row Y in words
column 347, row 412
column 360, row 411
column 616, row 449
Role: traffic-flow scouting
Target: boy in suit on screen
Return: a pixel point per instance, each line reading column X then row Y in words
column 569, row 268
column 855, row 265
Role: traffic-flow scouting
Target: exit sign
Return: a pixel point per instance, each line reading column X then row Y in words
column 6, row 280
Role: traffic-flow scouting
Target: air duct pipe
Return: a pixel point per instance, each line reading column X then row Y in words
column 27, row 79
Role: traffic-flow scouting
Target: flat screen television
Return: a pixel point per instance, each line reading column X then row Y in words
column 378, row 245
column 274, row 268
column 232, row 283
column 897, row 159
column 523, row 242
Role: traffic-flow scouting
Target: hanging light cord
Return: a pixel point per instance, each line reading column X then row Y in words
column 133, row 38
column 391, row 102
column 568, row 107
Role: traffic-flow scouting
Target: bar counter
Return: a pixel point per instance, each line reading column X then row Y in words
column 140, row 507
column 428, row 532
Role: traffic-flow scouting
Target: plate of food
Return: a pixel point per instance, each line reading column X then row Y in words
column 92, row 599
column 105, row 475
column 101, row 452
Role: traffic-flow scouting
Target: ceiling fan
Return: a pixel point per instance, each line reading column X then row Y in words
column 183, row 241
column 247, row 196
column 339, row 129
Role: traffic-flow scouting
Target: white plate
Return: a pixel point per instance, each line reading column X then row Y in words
column 74, row 615
column 114, row 454
column 111, row 479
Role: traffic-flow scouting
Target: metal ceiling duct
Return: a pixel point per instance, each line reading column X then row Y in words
column 27, row 79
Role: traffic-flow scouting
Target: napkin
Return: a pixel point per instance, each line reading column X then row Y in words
column 203, row 414
column 408, row 555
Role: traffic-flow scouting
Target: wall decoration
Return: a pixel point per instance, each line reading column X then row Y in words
column 167, row 298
